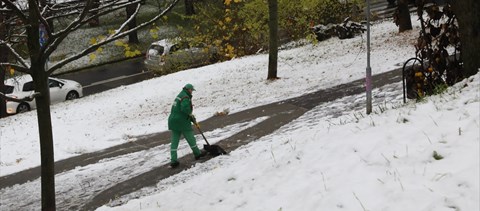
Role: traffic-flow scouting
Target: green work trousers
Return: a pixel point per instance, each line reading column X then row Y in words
column 176, row 139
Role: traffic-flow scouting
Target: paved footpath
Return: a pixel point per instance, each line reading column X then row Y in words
column 278, row 113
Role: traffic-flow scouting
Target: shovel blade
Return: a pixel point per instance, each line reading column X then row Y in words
column 214, row 150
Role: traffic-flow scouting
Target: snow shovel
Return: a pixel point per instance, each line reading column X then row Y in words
column 213, row 150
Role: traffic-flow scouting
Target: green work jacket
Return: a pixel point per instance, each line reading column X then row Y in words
column 179, row 119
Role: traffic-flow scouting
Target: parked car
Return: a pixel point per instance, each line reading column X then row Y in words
column 22, row 86
column 167, row 55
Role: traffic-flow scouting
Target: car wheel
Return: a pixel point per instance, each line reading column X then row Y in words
column 23, row 107
column 72, row 95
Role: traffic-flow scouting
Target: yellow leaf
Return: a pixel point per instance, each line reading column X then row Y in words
column 100, row 50
column 137, row 52
column 228, row 19
column 237, row 1
column 118, row 43
column 101, row 38
column 230, row 48
column 111, row 31
column 92, row 57
column 93, row 41
column 227, row 2
column 220, row 23
column 12, row 71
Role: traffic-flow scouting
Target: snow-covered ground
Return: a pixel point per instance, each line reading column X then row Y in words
column 383, row 161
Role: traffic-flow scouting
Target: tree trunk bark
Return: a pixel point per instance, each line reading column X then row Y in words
column 273, row 39
column 3, row 58
column 132, row 36
column 46, row 138
column 40, row 78
column 404, row 20
column 469, row 27
column 189, row 8
column 95, row 21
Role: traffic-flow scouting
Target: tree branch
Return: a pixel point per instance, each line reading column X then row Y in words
column 43, row 20
column 17, row 56
column 113, row 37
column 25, row 99
column 15, row 9
column 106, row 4
column 129, row 19
column 101, row 13
column 16, row 67
column 61, row 35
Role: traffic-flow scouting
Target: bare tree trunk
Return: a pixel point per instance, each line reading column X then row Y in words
column 469, row 27
column 189, row 8
column 3, row 58
column 273, row 39
column 40, row 78
column 95, row 21
column 133, row 36
column 46, row 137
column 404, row 21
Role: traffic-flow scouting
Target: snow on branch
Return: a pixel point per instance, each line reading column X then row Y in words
column 15, row 9
column 117, row 35
column 16, row 67
column 82, row 20
column 15, row 54
column 28, row 98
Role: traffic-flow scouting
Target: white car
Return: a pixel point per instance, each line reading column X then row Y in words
column 171, row 55
column 22, row 86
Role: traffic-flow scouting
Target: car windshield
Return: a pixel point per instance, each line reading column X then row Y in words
column 155, row 50
column 8, row 89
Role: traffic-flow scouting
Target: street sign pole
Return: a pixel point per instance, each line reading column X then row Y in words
column 368, row 78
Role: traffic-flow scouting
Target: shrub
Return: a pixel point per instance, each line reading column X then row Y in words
column 240, row 27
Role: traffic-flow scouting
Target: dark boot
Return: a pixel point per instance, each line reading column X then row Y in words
column 174, row 164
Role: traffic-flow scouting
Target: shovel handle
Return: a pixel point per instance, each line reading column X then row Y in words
column 199, row 130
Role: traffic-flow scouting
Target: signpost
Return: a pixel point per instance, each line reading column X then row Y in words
column 368, row 78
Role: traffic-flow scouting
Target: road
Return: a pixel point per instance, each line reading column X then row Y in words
column 100, row 78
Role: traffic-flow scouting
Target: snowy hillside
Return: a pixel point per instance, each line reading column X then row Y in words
column 384, row 161
column 347, row 161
